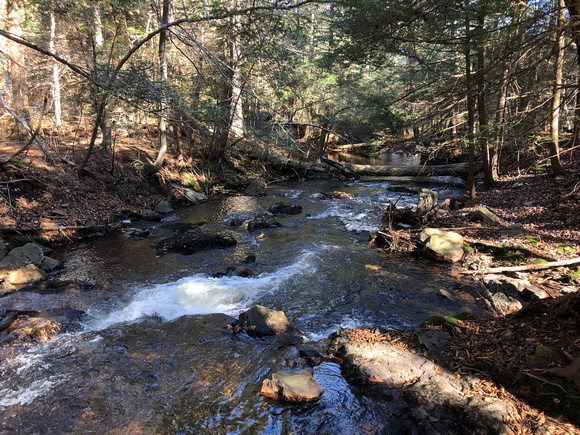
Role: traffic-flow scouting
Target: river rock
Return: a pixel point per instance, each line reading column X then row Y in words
column 503, row 304
column 163, row 207
column 427, row 200
column 263, row 321
column 30, row 253
column 442, row 245
column 485, row 215
column 194, row 196
column 292, row 387
column 38, row 326
column 257, row 187
column 2, row 249
column 263, row 221
column 517, row 288
column 26, row 274
column 284, row 208
column 49, row 265
column 194, row 241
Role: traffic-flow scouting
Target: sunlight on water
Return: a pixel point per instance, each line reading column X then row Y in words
column 202, row 294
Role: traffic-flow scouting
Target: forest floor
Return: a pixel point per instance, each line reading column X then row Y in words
column 36, row 195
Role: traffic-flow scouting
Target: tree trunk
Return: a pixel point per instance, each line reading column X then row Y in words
column 557, row 93
column 470, row 105
column 499, row 121
column 236, row 108
column 482, row 113
column 401, row 171
column 55, row 75
column 156, row 166
column 18, row 83
column 574, row 11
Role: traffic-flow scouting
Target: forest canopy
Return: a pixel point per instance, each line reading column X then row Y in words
column 493, row 80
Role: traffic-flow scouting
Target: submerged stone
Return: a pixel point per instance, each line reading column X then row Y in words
column 292, row 387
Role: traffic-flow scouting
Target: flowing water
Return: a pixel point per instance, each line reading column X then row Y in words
column 154, row 356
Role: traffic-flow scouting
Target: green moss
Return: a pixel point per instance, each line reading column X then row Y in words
column 573, row 276
column 532, row 240
column 562, row 247
column 540, row 353
column 192, row 182
column 539, row 261
column 446, row 322
column 467, row 249
column 41, row 240
column 18, row 241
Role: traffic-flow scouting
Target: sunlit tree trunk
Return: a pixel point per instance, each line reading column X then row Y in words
column 236, row 109
column 557, row 93
column 55, row 75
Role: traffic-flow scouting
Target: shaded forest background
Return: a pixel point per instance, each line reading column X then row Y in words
column 491, row 81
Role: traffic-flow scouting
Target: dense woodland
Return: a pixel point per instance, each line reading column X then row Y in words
column 492, row 81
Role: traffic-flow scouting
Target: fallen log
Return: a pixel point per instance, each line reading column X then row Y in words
column 404, row 171
column 534, row 266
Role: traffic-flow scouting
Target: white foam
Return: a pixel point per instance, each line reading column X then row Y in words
column 202, row 294
column 26, row 395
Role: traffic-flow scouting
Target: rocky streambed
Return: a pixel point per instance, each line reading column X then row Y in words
column 142, row 345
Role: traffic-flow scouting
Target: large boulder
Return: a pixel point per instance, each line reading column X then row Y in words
column 263, row 321
column 292, row 387
column 194, row 241
column 442, row 245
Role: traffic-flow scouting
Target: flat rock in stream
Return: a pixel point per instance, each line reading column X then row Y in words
column 433, row 397
column 194, row 241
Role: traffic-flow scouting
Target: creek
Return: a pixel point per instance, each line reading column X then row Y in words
column 154, row 356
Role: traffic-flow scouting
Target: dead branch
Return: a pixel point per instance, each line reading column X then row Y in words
column 539, row 266
column 32, row 138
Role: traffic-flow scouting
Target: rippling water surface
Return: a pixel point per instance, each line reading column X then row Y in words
column 154, row 356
